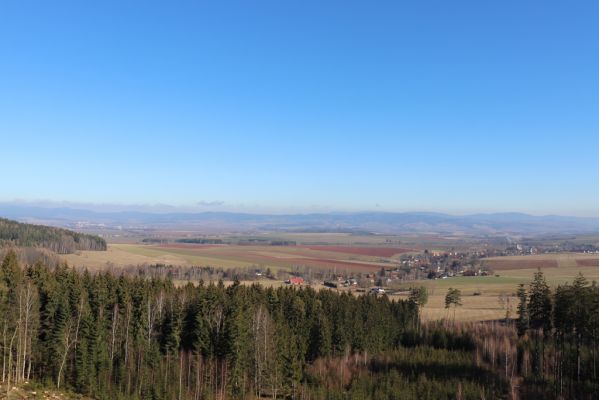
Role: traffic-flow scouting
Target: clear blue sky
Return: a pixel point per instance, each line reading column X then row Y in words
column 452, row 106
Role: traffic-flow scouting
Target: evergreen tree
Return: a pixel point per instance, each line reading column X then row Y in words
column 539, row 306
column 522, row 322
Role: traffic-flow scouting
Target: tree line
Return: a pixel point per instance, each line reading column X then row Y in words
column 558, row 334
column 133, row 337
column 139, row 336
column 62, row 241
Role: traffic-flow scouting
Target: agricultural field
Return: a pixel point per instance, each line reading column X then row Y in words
column 483, row 297
column 486, row 297
column 337, row 257
column 543, row 261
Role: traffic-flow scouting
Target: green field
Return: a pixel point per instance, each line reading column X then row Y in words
column 486, row 304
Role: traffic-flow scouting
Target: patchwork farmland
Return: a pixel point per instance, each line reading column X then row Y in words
column 349, row 258
column 483, row 297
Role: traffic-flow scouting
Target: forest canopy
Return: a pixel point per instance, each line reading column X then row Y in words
column 129, row 337
column 62, row 241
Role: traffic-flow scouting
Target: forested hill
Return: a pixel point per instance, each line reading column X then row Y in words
column 62, row 241
column 131, row 337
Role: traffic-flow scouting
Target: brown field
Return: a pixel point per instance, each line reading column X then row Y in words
column 541, row 260
column 188, row 245
column 588, row 263
column 364, row 251
column 500, row 265
column 226, row 256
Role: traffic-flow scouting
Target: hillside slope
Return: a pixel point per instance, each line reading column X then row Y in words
column 62, row 241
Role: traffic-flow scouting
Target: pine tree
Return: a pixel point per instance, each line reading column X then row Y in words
column 539, row 306
column 320, row 334
column 539, row 311
column 522, row 323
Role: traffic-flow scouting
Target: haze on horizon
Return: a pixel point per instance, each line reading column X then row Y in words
column 222, row 207
column 458, row 107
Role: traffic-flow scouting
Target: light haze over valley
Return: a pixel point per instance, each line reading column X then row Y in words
column 314, row 200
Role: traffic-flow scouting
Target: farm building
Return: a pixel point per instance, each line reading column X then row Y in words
column 295, row 280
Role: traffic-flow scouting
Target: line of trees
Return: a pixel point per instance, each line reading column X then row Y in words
column 550, row 350
column 62, row 241
column 559, row 336
column 133, row 337
column 138, row 336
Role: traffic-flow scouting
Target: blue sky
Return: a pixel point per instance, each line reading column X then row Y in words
column 461, row 106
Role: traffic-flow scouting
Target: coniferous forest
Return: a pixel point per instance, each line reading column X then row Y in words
column 61, row 241
column 134, row 337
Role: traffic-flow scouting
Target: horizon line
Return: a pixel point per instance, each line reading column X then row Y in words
column 213, row 207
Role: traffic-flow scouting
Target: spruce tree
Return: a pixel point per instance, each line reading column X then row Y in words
column 539, row 306
column 522, row 322
column 539, row 311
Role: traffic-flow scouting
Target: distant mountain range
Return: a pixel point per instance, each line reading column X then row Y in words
column 376, row 222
